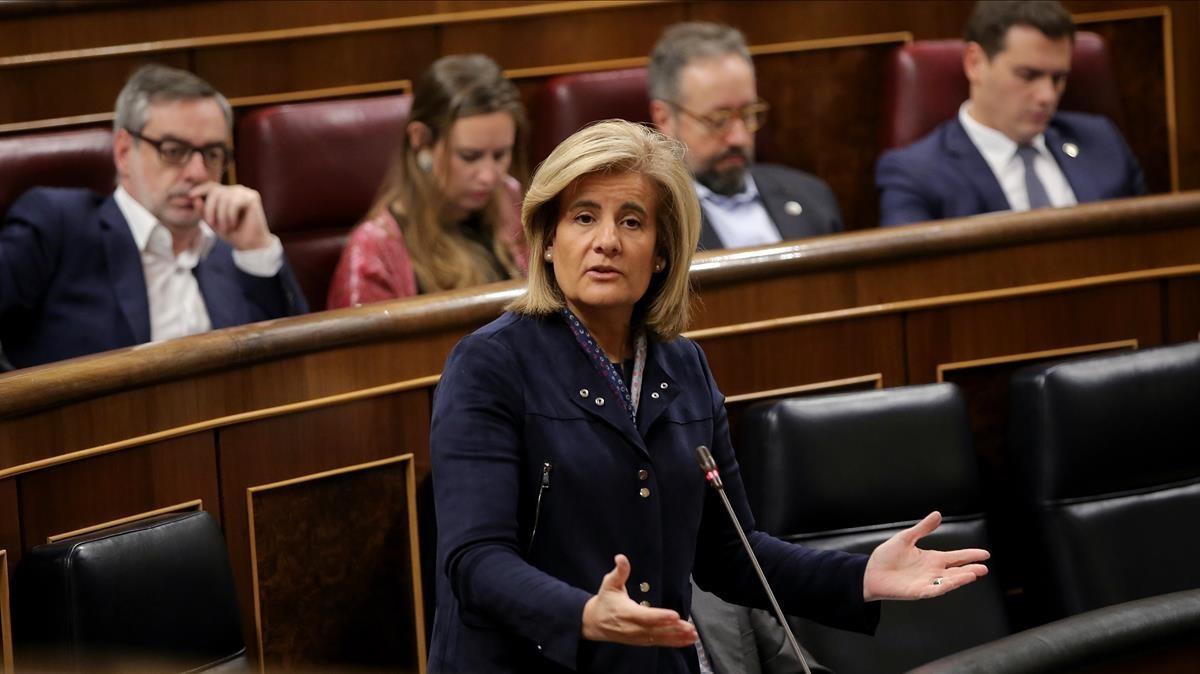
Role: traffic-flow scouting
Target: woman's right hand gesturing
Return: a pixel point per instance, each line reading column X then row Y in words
column 610, row 615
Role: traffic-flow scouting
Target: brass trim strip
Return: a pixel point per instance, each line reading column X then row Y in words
column 901, row 37
column 228, row 420
column 6, row 647
column 414, row 544
column 864, row 40
column 325, row 93
column 405, row 86
column 1168, row 39
column 389, row 86
column 326, row 30
column 939, row 301
column 943, row 368
column 877, row 378
column 196, row 504
column 1120, row 14
column 56, row 122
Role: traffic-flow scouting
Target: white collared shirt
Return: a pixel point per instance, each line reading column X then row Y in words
column 740, row 220
column 1000, row 153
column 177, row 308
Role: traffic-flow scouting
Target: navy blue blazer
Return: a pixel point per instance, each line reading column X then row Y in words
column 943, row 175
column 71, row 280
column 519, row 394
column 777, row 185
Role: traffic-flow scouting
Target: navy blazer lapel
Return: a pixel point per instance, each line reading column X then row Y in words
column 658, row 388
column 125, row 270
column 773, row 198
column 1073, row 169
column 708, row 236
column 590, row 391
column 971, row 164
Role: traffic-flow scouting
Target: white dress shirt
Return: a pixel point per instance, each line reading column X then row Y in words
column 1000, row 153
column 740, row 220
column 176, row 306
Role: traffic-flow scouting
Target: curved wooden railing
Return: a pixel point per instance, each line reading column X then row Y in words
column 24, row 391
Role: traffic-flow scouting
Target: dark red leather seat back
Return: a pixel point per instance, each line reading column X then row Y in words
column 318, row 167
column 75, row 158
column 568, row 103
column 925, row 84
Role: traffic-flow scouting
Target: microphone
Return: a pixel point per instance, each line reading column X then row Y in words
column 708, row 465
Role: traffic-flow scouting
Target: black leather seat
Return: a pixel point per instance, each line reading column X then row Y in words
column 153, row 595
column 1108, row 451
column 1159, row 634
column 848, row 471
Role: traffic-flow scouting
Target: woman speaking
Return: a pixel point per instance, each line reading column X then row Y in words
column 571, row 511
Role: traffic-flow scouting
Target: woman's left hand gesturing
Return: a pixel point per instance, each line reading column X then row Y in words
column 898, row 569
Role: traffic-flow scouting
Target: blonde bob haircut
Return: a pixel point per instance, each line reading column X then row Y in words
column 617, row 147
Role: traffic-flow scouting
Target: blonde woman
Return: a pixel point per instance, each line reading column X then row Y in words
column 447, row 214
column 571, row 512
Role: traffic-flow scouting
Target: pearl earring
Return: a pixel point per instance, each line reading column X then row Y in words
column 425, row 160
column 549, row 256
column 658, row 267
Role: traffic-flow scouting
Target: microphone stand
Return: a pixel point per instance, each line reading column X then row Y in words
column 709, row 465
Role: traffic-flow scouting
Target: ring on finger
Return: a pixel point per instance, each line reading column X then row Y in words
column 938, row 580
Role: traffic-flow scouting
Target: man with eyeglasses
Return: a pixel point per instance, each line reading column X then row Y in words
column 1009, row 148
column 703, row 93
column 171, row 252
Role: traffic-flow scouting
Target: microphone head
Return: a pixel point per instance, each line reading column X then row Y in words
column 708, row 465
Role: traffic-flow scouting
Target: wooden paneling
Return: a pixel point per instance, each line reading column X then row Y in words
column 805, row 354
column 318, row 62
column 81, row 494
column 10, row 520
column 568, row 38
column 271, row 450
column 257, row 404
column 6, row 647
column 339, row 43
column 1138, row 53
column 1182, row 310
column 337, row 577
column 820, row 125
column 1029, row 324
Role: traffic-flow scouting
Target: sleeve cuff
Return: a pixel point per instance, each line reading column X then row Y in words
column 263, row 262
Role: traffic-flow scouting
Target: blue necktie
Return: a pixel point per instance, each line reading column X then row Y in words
column 1033, row 185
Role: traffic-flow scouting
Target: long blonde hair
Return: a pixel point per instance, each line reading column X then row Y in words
column 616, row 146
column 453, row 87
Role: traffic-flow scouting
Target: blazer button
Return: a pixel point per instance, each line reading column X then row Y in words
column 599, row 402
column 644, row 603
column 654, row 395
column 644, row 587
column 583, row 393
column 643, row 474
column 663, row 386
column 644, row 492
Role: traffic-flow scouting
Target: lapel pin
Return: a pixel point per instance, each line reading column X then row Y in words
column 1071, row 150
column 794, row 208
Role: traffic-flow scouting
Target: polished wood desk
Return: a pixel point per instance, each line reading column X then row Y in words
column 215, row 417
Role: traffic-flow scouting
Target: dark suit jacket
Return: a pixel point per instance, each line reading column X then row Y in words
column 520, row 393
column 943, row 175
column 71, row 280
column 741, row 640
column 778, row 185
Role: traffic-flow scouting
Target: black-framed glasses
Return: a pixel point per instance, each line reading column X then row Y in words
column 177, row 152
column 754, row 116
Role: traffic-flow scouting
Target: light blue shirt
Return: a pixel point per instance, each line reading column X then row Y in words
column 740, row 220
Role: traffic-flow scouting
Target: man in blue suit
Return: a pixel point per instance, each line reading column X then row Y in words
column 171, row 252
column 1008, row 149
